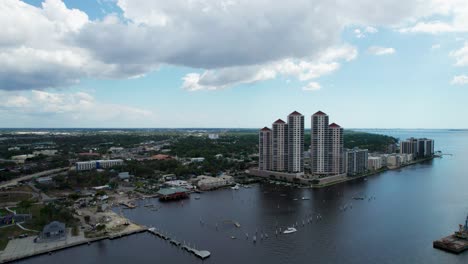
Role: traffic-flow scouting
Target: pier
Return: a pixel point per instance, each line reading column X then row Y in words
column 203, row 254
column 451, row 244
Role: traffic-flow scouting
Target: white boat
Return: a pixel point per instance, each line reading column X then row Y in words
column 305, row 198
column 235, row 187
column 290, row 230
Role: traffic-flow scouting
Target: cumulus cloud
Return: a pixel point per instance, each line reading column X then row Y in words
column 304, row 70
column 226, row 42
column 376, row 50
column 459, row 80
column 461, row 55
column 361, row 33
column 312, row 86
column 69, row 108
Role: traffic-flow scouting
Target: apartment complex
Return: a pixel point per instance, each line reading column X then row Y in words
column 281, row 149
column 265, row 149
column 356, row 161
column 295, row 142
column 280, row 145
column 327, row 146
column 418, row 147
column 98, row 164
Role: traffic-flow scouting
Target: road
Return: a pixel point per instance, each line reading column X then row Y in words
column 31, row 176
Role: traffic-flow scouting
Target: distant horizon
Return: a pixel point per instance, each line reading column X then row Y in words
column 204, row 128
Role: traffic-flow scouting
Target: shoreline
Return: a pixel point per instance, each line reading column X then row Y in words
column 317, row 186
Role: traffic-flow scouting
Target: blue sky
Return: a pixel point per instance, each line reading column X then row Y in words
column 158, row 64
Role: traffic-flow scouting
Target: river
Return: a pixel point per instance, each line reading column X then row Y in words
column 412, row 207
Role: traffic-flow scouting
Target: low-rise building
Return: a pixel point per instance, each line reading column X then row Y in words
column 54, row 231
column 124, row 175
column 98, row 164
column 46, row 152
column 208, row 183
column 173, row 193
column 45, row 180
column 199, row 159
column 213, row 136
column 374, row 163
column 179, row 183
column 393, row 161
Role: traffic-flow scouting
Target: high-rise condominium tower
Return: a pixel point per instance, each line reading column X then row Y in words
column 295, row 142
column 326, row 147
column 280, row 145
column 265, row 149
column 336, row 158
column 320, row 145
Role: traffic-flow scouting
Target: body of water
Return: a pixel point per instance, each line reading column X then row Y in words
column 412, row 207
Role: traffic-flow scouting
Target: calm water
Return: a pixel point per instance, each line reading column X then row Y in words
column 413, row 207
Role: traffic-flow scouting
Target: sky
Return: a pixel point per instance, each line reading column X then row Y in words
column 233, row 63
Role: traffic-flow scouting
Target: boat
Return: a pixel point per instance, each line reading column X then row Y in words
column 233, row 237
column 305, row 198
column 236, row 187
column 358, row 198
column 197, row 197
column 290, row 230
column 295, row 199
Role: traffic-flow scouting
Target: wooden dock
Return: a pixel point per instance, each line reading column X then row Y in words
column 203, row 254
column 451, row 244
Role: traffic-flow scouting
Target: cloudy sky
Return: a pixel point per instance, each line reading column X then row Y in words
column 233, row 63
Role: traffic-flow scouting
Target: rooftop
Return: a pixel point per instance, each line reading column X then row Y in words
column 320, row 113
column 172, row 190
column 334, row 125
column 265, row 129
column 279, row 121
column 295, row 113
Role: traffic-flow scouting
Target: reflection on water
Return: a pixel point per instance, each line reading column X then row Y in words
column 412, row 207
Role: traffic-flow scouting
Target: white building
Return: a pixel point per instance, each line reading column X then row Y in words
column 393, row 161
column 374, row 163
column 46, row 152
column 209, row 183
column 98, row 164
column 213, row 136
column 200, row 159
column 179, row 183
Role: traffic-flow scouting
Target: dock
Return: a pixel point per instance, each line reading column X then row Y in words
column 203, row 254
column 451, row 244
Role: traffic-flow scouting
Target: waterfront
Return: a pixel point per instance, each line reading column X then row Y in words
column 414, row 206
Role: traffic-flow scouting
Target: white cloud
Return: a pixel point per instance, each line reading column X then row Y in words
column 459, row 80
column 304, row 70
column 69, row 108
column 433, row 27
column 358, row 33
column 376, row 50
column 56, row 46
column 435, row 46
column 461, row 55
column 312, row 86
